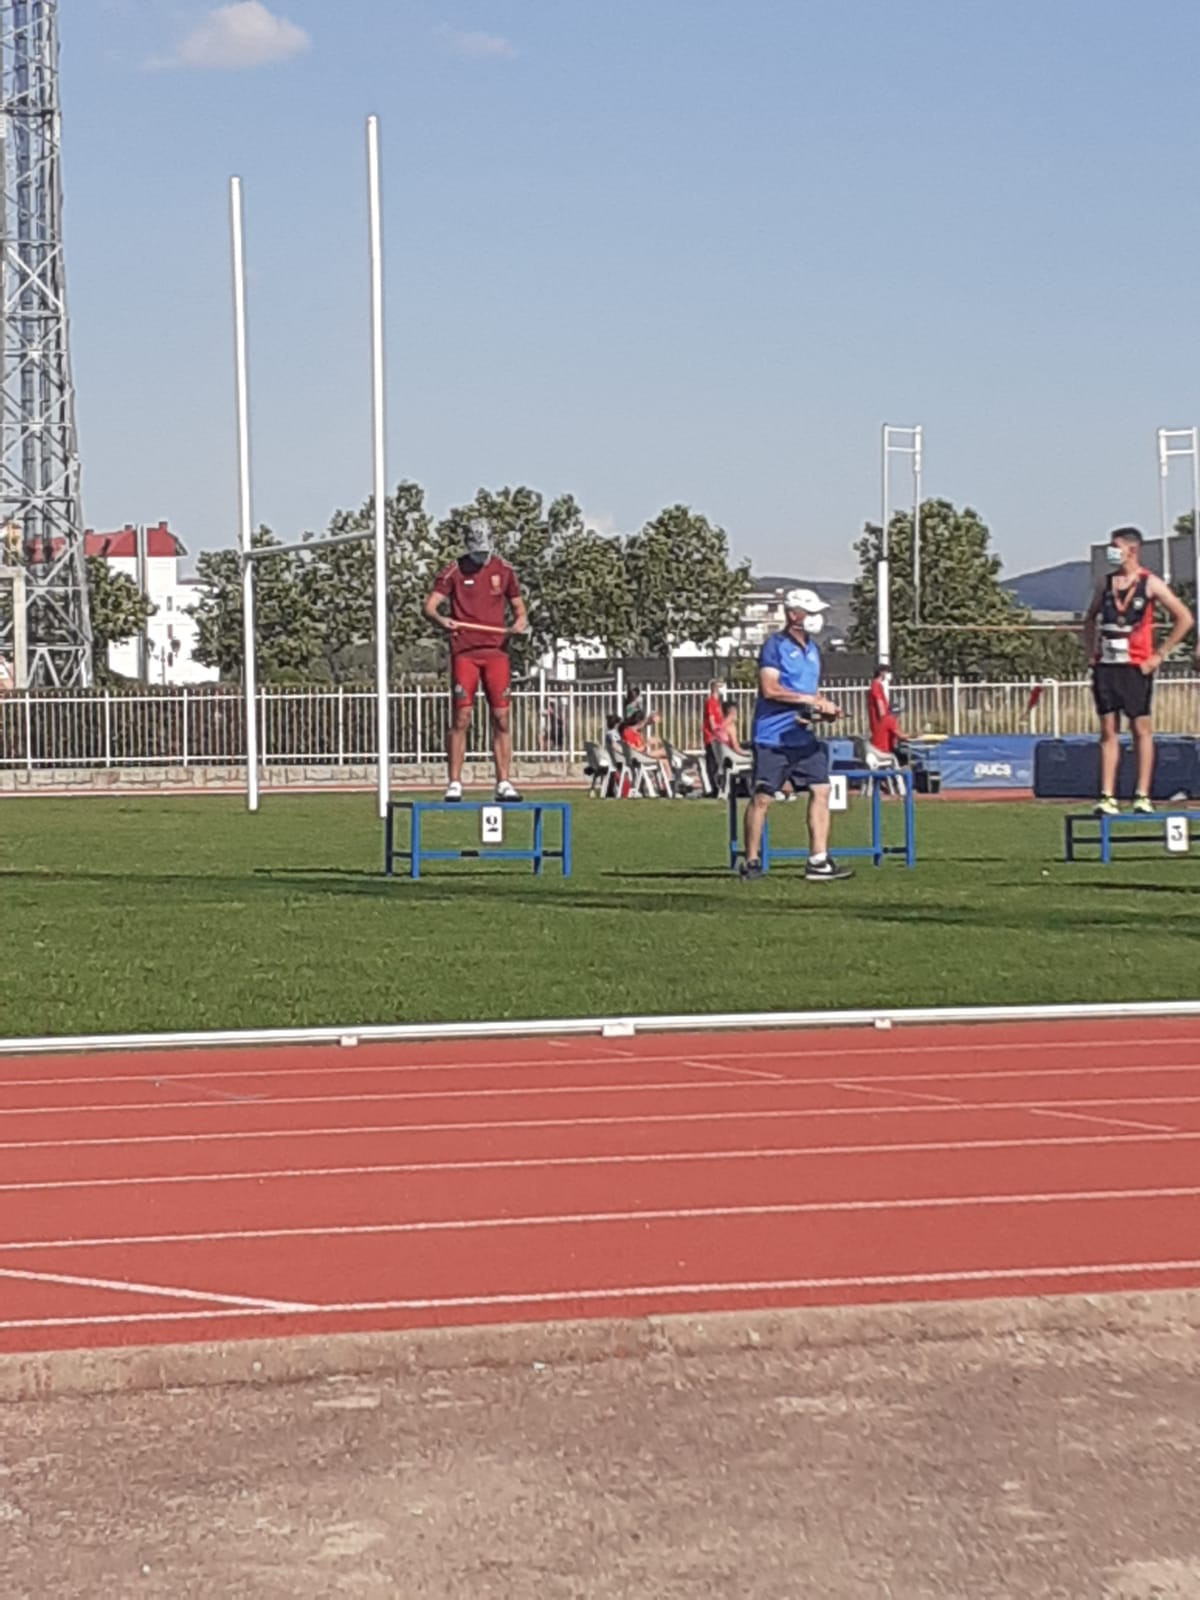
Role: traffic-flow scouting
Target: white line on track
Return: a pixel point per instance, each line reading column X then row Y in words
column 1104, row 1122
column 930, row 1103
column 608, row 1218
column 946, row 1100
column 665, row 1291
column 159, row 1290
column 525, row 1124
column 642, row 1158
column 799, row 1055
column 332, row 1066
column 741, row 1072
column 332, row 1069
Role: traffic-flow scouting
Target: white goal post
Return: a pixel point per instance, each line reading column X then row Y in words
column 251, row 556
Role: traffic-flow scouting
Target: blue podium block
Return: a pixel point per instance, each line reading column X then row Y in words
column 877, row 850
column 539, row 851
column 1119, row 830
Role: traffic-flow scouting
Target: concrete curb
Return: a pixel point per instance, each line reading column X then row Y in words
column 53, row 1374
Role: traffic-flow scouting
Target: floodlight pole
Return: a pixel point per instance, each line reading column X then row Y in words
column 379, row 461
column 245, row 524
column 1171, row 447
column 906, row 441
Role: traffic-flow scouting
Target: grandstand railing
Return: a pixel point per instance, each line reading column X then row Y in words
column 551, row 721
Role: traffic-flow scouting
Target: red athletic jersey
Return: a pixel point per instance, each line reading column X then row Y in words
column 478, row 594
column 714, row 721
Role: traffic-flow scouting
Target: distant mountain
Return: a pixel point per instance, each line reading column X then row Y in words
column 1066, row 587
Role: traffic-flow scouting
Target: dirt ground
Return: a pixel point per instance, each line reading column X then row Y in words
column 1022, row 1467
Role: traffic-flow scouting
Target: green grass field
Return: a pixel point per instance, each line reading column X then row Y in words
column 123, row 915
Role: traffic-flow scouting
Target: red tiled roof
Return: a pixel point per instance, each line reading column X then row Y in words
column 160, row 541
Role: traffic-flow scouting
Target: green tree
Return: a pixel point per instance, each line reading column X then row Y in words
column 287, row 625
column 340, row 584
column 587, row 597
column 683, row 589
column 972, row 626
column 119, row 611
column 1187, row 593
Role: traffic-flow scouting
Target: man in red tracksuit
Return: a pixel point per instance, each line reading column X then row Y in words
column 477, row 601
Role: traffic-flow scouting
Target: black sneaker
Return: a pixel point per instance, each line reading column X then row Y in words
column 750, row 869
column 825, row 871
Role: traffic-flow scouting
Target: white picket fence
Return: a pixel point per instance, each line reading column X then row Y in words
column 551, row 721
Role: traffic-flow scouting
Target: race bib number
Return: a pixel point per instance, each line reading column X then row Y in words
column 1114, row 652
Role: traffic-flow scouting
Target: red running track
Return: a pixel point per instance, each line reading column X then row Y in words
column 217, row 1194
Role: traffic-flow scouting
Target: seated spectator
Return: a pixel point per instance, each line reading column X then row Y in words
column 729, row 728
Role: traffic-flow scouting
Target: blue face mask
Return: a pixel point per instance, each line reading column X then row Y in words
column 1115, row 555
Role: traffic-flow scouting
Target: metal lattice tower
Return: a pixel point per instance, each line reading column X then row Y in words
column 41, row 520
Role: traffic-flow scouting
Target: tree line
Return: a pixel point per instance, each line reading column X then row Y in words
column 971, row 625
column 670, row 584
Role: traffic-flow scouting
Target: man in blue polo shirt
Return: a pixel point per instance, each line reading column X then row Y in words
column 786, row 750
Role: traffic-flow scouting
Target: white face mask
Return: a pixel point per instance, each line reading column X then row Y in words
column 813, row 624
column 1116, row 555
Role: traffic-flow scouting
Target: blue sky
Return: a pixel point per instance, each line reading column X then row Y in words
column 643, row 251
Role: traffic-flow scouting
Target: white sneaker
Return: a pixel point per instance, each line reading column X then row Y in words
column 454, row 791
column 506, row 791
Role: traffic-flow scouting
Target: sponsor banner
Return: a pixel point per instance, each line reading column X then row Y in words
column 986, row 763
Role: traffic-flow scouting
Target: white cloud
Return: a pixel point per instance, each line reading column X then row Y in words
column 602, row 522
column 242, row 34
column 478, row 46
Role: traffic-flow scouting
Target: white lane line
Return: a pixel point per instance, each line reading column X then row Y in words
column 908, row 1094
column 1105, row 1122
column 643, row 1158
column 799, row 1056
column 524, row 1124
column 941, row 1103
column 90, row 1108
column 159, row 1290
column 567, row 1297
column 714, row 1063
column 567, row 1219
column 1034, row 1111
column 741, row 1072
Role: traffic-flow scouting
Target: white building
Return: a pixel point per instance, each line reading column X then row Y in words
column 170, row 632
column 762, row 614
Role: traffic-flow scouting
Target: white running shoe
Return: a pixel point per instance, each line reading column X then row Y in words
column 506, row 791
column 454, row 791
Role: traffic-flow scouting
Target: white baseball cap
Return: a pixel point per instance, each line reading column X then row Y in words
column 804, row 600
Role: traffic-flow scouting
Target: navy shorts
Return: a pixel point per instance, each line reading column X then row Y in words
column 775, row 765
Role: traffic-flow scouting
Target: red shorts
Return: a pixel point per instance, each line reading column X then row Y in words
column 492, row 668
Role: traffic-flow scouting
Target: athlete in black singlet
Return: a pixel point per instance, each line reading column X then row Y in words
column 1119, row 635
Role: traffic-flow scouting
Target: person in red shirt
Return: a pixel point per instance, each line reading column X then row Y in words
column 472, row 601
column 885, row 729
column 714, row 731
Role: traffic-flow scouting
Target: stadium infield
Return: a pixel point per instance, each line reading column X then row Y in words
column 186, row 914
